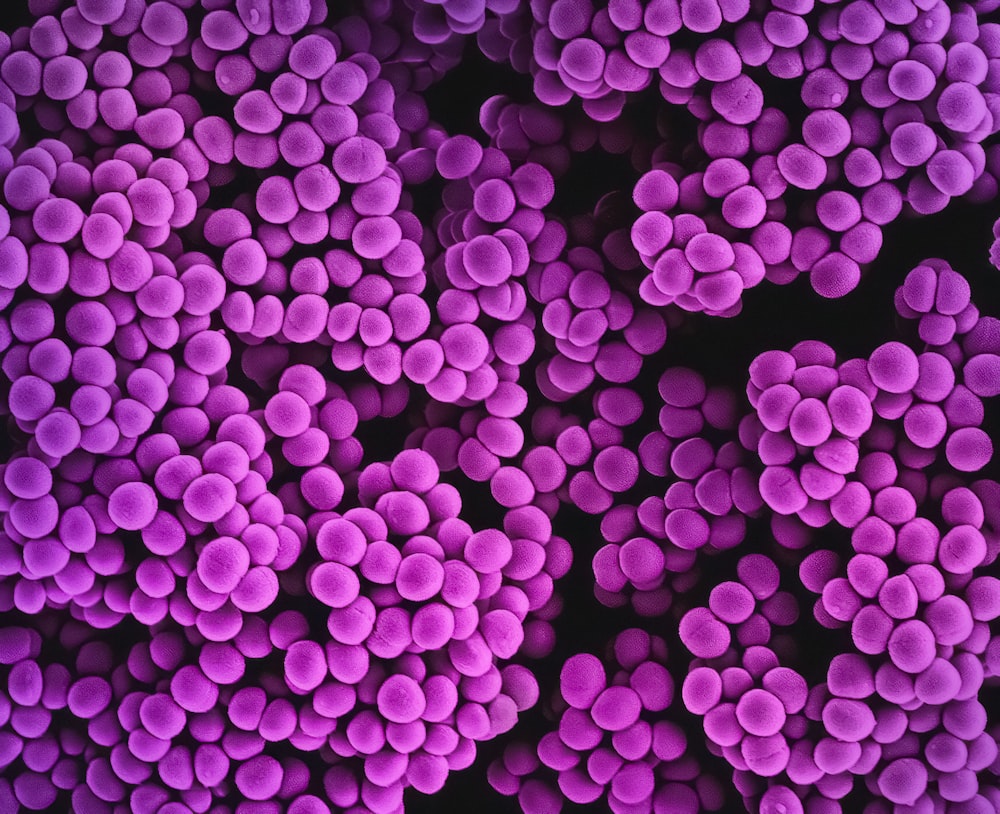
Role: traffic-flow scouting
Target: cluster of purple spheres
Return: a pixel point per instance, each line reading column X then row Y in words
column 304, row 396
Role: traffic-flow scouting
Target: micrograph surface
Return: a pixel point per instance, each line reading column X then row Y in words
column 499, row 406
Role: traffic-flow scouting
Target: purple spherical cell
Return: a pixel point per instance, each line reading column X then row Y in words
column 25, row 187
column 358, row 160
column 772, row 367
column 287, row 414
column 951, row 172
column 682, row 387
column 223, row 31
column 912, row 144
column 344, row 83
column 717, row 60
column 895, row 505
column 656, row 190
column 90, row 323
column 275, row 200
column 687, row 529
column 312, row 56
column 721, row 725
column 404, row 512
column 703, row 634
column 745, row 207
column 511, row 487
column 487, row 260
column 160, row 129
column 583, row 59
column 582, row 680
column 63, row 77
column 839, row 600
column 27, row 478
column 962, row 549
column 801, row 166
column 969, row 449
column 164, row 24
column 848, row 720
column 760, row 713
column 810, row 423
column 151, row 201
column 419, row 577
column 132, row 506
column 911, row 646
column 161, row 297
column 893, row 367
column 101, row 12
column 765, row 756
column 222, row 564
column 731, row 602
column 487, row 550
column 16, row 644
column 57, row 220
column 850, row 676
column 903, row 781
column 616, row 708
column 374, row 238
column 833, row 756
column 289, row 90
column 207, row 352
column 494, row 200
column 781, row 490
column 939, row 683
column 88, row 697
column 641, row 560
column 925, row 425
column 25, row 683
column 209, row 497
column 983, row 598
column 161, row 716
column 780, row 800
column 759, row 574
column 739, row 100
column 36, row 792
column 651, row 233
column 259, row 778
column 911, row 80
column 919, row 288
column 257, row 590
column 776, row 405
column 788, row 686
column 536, row 797
column 305, row 665
column 719, row 292
column 961, row 107
column 708, row 252
column 465, row 346
column 616, row 468
column 433, row 626
column 867, row 573
column 503, row 633
column 838, row 210
column 946, row 753
column 568, row 19
column 58, row 434
column 334, row 584
column 246, row 707
column 981, row 374
column 633, row 783
column 701, row 690
column 655, row 688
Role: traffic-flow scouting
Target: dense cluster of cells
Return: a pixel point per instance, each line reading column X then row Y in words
column 317, row 410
